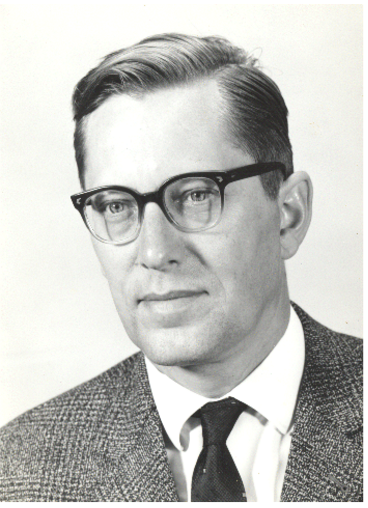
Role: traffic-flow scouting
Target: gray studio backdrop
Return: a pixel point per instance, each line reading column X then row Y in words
column 58, row 323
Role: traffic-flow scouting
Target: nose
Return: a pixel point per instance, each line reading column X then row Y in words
column 160, row 244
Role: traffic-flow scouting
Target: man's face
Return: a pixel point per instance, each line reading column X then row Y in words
column 185, row 298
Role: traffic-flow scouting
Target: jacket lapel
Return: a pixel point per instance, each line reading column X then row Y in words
column 130, row 462
column 322, row 464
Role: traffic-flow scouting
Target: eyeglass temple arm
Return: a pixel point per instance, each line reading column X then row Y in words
column 254, row 170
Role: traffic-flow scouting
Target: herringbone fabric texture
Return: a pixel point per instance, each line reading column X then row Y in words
column 103, row 441
column 215, row 476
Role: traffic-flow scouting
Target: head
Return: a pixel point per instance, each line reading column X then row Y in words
column 175, row 104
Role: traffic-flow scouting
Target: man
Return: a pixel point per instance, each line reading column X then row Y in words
column 190, row 196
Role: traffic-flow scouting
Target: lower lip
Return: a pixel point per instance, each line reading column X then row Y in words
column 173, row 312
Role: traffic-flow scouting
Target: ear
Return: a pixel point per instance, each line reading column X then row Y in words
column 295, row 204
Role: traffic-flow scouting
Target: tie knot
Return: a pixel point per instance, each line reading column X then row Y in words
column 218, row 419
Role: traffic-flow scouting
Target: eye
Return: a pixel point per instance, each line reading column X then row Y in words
column 192, row 195
column 115, row 207
column 198, row 196
column 117, row 210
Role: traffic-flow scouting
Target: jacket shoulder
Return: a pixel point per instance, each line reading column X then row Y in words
column 334, row 367
column 119, row 377
column 330, row 342
column 54, row 432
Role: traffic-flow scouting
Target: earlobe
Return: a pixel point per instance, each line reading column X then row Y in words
column 295, row 203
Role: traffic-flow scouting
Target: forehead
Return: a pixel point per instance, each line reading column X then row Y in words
column 142, row 141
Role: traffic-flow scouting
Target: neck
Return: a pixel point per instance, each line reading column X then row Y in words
column 216, row 379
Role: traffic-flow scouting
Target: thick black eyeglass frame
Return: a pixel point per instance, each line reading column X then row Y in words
column 222, row 178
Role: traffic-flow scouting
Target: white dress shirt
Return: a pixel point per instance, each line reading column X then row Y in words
column 260, row 440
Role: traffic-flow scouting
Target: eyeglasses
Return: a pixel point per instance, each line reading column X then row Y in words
column 190, row 201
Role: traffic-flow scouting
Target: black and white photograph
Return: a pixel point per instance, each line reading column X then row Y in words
column 181, row 252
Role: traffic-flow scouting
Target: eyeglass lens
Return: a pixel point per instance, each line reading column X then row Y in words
column 112, row 215
column 192, row 203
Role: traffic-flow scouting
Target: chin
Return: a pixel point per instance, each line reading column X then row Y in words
column 174, row 357
column 171, row 348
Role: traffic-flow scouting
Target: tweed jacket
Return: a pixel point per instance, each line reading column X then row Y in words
column 103, row 441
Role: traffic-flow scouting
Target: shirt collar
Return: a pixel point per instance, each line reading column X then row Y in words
column 271, row 389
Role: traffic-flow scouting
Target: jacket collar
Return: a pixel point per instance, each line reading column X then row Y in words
column 328, row 375
column 321, row 464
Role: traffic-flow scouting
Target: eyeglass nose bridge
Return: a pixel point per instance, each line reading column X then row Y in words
column 152, row 197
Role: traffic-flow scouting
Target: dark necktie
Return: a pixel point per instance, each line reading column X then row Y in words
column 215, row 476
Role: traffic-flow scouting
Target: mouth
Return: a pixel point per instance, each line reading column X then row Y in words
column 170, row 295
column 173, row 308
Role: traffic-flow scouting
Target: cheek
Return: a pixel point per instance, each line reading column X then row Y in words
column 115, row 262
column 117, row 267
column 246, row 259
column 264, row 263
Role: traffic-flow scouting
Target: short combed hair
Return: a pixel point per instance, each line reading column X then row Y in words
column 253, row 108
